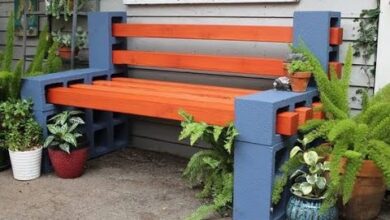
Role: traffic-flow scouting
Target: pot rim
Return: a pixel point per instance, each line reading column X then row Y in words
column 307, row 198
column 301, row 74
column 28, row 151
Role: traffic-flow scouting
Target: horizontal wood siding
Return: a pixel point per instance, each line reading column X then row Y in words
column 162, row 135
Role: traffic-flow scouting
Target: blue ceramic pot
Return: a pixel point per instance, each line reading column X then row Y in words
column 299, row 208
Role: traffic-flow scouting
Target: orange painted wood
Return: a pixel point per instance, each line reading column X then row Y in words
column 337, row 66
column 217, row 114
column 225, row 64
column 287, row 123
column 336, row 36
column 210, row 32
column 304, row 114
column 160, row 94
column 318, row 111
column 280, row 34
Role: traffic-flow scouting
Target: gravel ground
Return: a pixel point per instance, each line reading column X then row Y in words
column 128, row 184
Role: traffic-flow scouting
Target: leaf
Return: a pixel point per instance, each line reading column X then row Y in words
column 48, row 141
column 197, row 133
column 310, row 158
column 211, row 162
column 295, row 151
column 65, row 147
column 53, row 129
column 306, row 188
column 217, row 132
column 321, row 182
column 70, row 138
column 76, row 120
column 326, row 166
column 311, row 179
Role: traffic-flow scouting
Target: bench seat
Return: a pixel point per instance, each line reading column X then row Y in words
column 160, row 99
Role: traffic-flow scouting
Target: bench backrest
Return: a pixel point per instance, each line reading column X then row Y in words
column 320, row 31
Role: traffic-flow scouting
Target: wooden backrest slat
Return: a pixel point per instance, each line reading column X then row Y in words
column 225, row 64
column 279, row 34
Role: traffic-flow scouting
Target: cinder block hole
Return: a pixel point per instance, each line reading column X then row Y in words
column 120, row 134
column 316, row 99
column 334, row 55
column 117, row 19
column 54, row 85
column 334, row 22
column 119, row 45
column 280, row 157
column 100, row 117
column 283, row 109
column 103, row 77
column 76, row 81
column 101, row 138
column 120, row 117
column 300, row 104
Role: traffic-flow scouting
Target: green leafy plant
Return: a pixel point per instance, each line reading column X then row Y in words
column 292, row 167
column 355, row 138
column 65, row 39
column 20, row 131
column 64, row 131
column 211, row 168
column 297, row 62
column 56, row 8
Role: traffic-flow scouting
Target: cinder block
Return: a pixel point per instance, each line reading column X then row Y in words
column 255, row 115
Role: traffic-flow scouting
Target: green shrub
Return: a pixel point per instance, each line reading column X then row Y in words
column 211, row 168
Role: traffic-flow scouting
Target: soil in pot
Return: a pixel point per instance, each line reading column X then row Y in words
column 299, row 81
column 66, row 52
column 71, row 165
column 367, row 195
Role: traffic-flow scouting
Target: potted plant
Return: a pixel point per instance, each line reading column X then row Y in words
column 359, row 160
column 67, row 152
column 299, row 70
column 56, row 8
column 309, row 187
column 23, row 139
column 64, row 41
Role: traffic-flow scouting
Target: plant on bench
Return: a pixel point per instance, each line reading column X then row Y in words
column 211, row 168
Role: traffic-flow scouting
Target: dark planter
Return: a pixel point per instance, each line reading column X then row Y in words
column 71, row 165
column 299, row 208
column 4, row 160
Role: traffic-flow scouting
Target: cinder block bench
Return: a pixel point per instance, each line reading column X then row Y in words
column 266, row 120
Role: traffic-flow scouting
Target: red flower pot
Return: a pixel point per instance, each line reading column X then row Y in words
column 68, row 165
column 66, row 52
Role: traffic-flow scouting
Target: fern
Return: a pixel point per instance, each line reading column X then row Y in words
column 9, row 46
column 352, row 168
column 37, row 64
column 53, row 63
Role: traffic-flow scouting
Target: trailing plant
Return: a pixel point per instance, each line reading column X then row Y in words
column 293, row 166
column 65, row 39
column 211, row 168
column 64, row 131
column 56, row 8
column 297, row 62
column 22, row 132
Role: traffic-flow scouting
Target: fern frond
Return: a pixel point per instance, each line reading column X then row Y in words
column 36, row 66
column 352, row 168
column 380, row 153
column 9, row 45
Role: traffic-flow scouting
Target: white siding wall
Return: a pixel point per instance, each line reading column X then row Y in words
column 162, row 135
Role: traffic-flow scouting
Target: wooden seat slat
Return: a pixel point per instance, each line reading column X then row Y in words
column 279, row 34
column 157, row 94
column 216, row 113
column 227, row 64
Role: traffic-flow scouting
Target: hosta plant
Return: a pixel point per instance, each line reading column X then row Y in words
column 64, row 131
column 211, row 168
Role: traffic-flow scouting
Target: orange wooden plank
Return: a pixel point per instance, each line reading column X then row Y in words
column 337, row 66
column 217, row 114
column 304, row 114
column 160, row 94
column 287, row 123
column 225, row 64
column 336, row 36
column 318, row 110
column 280, row 34
column 210, row 32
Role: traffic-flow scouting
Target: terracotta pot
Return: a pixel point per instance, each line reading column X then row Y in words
column 66, row 52
column 68, row 165
column 299, row 81
column 367, row 195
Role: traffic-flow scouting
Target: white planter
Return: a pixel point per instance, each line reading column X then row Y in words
column 26, row 165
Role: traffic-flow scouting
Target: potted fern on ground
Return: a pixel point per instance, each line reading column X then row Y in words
column 299, row 70
column 359, row 161
column 23, row 138
column 67, row 151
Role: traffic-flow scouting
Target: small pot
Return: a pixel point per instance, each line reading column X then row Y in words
column 26, row 165
column 299, row 81
column 66, row 52
column 367, row 195
column 66, row 165
column 299, row 208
